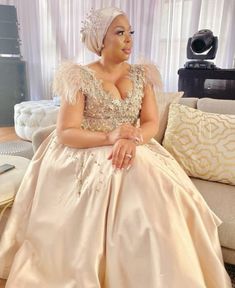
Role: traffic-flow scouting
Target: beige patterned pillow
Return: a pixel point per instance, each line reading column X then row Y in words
column 164, row 99
column 202, row 142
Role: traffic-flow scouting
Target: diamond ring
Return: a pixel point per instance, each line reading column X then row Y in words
column 128, row 155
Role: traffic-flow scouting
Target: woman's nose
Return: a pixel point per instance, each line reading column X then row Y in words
column 128, row 38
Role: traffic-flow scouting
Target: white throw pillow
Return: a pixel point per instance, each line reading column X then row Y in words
column 203, row 143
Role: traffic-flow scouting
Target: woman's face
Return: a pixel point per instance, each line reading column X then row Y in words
column 118, row 40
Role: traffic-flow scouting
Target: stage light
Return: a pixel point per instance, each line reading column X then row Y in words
column 203, row 45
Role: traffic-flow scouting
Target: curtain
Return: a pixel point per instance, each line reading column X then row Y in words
column 49, row 32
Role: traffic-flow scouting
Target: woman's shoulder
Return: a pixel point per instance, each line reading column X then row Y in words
column 145, row 67
column 71, row 73
column 68, row 67
column 150, row 73
column 68, row 80
column 93, row 65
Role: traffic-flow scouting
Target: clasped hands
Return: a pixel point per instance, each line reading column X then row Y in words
column 124, row 140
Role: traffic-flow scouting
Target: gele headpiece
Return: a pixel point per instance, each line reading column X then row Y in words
column 95, row 26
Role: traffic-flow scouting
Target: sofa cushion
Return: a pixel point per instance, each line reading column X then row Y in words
column 221, row 199
column 189, row 101
column 203, row 143
column 164, row 99
column 216, row 106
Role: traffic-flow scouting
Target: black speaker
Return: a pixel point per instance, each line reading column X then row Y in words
column 9, row 36
column 13, row 84
column 8, row 30
column 9, row 47
column 13, row 88
column 8, row 13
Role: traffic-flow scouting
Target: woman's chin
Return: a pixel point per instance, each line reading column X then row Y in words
column 126, row 56
column 122, row 57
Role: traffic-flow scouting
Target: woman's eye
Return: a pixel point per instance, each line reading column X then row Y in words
column 120, row 33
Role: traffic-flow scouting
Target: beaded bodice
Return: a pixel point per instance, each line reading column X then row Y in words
column 102, row 112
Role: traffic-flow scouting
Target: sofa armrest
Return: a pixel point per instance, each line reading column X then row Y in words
column 40, row 135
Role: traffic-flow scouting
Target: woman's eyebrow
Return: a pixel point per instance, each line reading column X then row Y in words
column 122, row 27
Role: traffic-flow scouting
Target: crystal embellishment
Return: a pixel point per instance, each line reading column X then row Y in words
column 92, row 23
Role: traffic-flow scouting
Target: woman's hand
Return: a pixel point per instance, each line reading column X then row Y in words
column 125, row 131
column 123, row 154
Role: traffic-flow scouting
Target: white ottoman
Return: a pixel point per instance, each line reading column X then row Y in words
column 9, row 184
column 30, row 116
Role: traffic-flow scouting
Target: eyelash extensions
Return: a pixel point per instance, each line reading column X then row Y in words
column 122, row 32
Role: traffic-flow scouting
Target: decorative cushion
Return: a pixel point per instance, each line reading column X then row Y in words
column 32, row 115
column 164, row 99
column 203, row 143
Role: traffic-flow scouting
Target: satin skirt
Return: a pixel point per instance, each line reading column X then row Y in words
column 78, row 223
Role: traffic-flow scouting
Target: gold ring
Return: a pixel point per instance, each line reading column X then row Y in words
column 128, row 155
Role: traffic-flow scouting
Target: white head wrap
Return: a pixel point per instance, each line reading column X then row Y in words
column 95, row 26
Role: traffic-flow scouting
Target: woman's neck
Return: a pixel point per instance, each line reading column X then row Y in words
column 109, row 66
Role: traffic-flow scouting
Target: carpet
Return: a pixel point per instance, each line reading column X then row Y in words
column 17, row 148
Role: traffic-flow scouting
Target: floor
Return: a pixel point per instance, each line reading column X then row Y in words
column 7, row 134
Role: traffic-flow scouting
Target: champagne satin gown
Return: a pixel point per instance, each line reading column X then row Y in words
column 76, row 223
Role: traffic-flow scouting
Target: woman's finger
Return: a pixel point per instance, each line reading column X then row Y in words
column 132, row 159
column 127, row 160
column 115, row 156
column 120, row 158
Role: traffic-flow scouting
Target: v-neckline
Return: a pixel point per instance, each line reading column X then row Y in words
column 100, row 81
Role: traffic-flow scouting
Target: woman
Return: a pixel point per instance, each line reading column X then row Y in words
column 99, row 207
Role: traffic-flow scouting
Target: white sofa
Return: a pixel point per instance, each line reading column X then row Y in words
column 220, row 197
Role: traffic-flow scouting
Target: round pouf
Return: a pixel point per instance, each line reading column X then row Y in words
column 17, row 148
column 10, row 182
column 30, row 116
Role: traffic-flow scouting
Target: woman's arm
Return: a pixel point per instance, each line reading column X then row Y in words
column 149, row 119
column 70, row 133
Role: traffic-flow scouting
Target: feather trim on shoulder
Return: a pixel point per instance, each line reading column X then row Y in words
column 67, row 81
column 152, row 74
